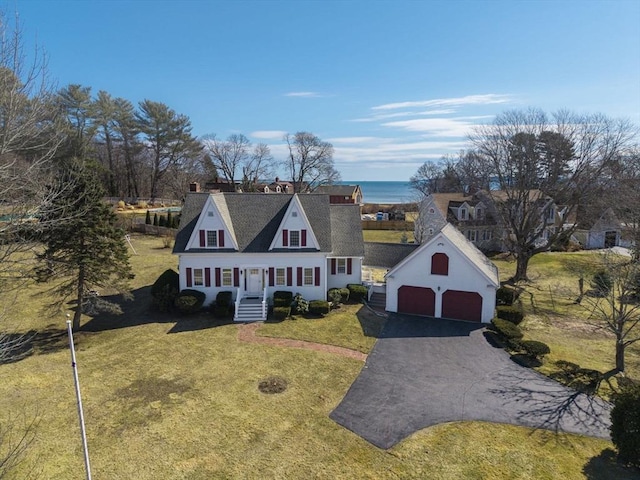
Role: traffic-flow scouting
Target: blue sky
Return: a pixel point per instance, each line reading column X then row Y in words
column 389, row 84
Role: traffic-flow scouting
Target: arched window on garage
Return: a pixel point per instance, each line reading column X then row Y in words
column 439, row 264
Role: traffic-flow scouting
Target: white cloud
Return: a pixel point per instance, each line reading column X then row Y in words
column 386, row 116
column 302, row 94
column 353, row 139
column 487, row 99
column 268, row 134
column 439, row 127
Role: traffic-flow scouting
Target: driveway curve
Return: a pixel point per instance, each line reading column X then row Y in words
column 426, row 371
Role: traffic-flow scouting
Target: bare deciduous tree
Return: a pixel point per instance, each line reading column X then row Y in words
column 310, row 162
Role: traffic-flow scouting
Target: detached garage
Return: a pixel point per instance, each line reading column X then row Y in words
column 447, row 277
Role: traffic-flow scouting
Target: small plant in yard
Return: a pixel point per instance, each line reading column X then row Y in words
column 165, row 289
column 147, row 218
column 510, row 313
column 357, row 292
column 602, row 283
column 281, row 313
column 167, row 241
column 625, row 424
column 509, row 331
column 282, row 298
column 190, row 301
column 535, row 349
column 319, row 307
column 222, row 306
column 300, row 305
column 334, row 296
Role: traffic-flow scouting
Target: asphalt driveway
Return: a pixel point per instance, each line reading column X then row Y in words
column 425, row 371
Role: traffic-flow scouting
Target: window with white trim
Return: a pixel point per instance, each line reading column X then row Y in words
column 227, row 279
column 294, row 238
column 472, row 235
column 212, row 238
column 341, row 264
column 198, row 277
column 479, row 213
column 308, row 276
column 280, row 278
column 463, row 213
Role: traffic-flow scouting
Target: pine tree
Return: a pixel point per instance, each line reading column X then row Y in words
column 169, row 220
column 84, row 249
column 155, row 219
column 147, row 219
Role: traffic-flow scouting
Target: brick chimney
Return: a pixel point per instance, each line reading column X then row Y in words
column 194, row 187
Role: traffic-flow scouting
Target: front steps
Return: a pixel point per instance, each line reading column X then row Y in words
column 378, row 301
column 249, row 310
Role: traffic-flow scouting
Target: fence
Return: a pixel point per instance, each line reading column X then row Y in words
column 153, row 230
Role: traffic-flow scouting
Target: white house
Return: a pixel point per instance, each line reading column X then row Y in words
column 446, row 277
column 253, row 244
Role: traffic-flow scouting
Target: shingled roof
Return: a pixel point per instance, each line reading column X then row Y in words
column 386, row 255
column 255, row 218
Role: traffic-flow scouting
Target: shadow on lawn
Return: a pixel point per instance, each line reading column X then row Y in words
column 606, row 467
column 17, row 346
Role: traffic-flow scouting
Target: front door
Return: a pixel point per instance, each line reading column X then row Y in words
column 254, row 280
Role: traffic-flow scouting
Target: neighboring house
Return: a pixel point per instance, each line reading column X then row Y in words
column 342, row 193
column 445, row 277
column 476, row 217
column 278, row 186
column 253, row 244
column 605, row 231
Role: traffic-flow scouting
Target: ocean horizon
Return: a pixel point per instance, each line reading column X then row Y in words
column 384, row 192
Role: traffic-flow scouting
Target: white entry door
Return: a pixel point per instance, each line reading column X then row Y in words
column 254, row 280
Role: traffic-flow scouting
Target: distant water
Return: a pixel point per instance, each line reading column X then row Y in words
column 384, row 192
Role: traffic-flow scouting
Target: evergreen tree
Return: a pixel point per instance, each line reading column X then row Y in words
column 147, row 219
column 85, row 250
column 162, row 221
column 155, row 219
column 169, row 223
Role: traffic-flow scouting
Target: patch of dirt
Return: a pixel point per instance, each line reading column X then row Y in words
column 272, row 385
column 148, row 390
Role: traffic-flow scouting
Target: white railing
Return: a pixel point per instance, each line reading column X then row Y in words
column 238, row 298
column 369, row 290
column 264, row 304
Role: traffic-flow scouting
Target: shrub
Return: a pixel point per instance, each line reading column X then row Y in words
column 345, row 294
column 162, row 221
column 510, row 313
column 282, row 298
column 223, row 299
column 602, row 283
column 169, row 222
column 507, row 295
column 165, row 289
column 535, row 349
column 357, row 292
column 280, row 313
column 147, row 219
column 507, row 329
column 334, row 296
column 155, row 219
column 221, row 311
column 167, row 241
column 190, row 301
column 319, row 307
column 121, row 204
column 142, row 204
column 300, row 305
column 625, row 424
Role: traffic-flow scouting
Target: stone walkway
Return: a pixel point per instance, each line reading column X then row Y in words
column 247, row 333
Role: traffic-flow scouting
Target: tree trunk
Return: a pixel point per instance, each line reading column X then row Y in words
column 522, row 263
column 80, row 298
column 619, row 356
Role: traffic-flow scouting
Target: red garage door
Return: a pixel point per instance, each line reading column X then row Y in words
column 416, row 300
column 462, row 305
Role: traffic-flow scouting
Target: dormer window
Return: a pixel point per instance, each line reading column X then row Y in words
column 211, row 238
column 464, row 213
column 294, row 214
column 551, row 215
column 278, row 189
column 210, row 214
column 479, row 213
column 294, row 238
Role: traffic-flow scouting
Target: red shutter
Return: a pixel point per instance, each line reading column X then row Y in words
column 202, row 238
column 285, row 238
column 303, row 238
column 333, row 266
column 236, row 277
column 218, row 283
column 439, row 264
column 299, row 276
column 317, row 276
column 272, row 277
column 221, row 238
column 189, row 279
column 289, row 276
column 207, row 277
column 349, row 266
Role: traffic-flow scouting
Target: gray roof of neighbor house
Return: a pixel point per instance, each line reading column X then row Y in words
column 254, row 218
column 386, row 255
column 346, row 190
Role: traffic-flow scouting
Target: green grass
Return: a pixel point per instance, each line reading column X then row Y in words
column 553, row 317
column 178, row 399
column 386, row 236
column 350, row 326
